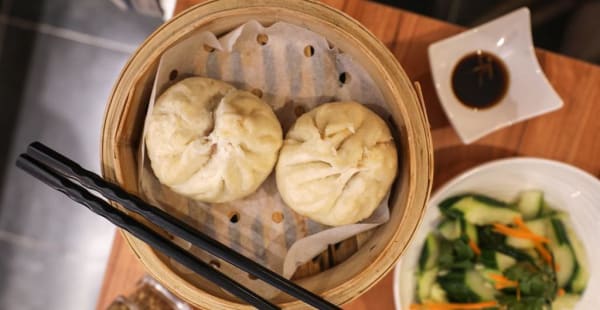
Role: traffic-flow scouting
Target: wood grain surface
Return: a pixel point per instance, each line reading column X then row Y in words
column 569, row 134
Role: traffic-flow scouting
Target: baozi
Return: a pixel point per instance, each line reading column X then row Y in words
column 337, row 163
column 211, row 142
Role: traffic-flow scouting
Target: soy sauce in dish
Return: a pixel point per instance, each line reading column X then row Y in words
column 480, row 80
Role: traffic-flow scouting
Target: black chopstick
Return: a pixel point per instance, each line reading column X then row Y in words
column 71, row 169
column 140, row 231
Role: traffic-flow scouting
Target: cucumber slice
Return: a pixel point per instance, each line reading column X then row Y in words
column 579, row 280
column 466, row 286
column 429, row 253
column 520, row 243
column 489, row 200
column 581, row 276
column 479, row 286
column 481, row 212
column 494, row 260
column 533, row 253
column 471, row 232
column 547, row 211
column 538, row 227
column 565, row 302
column 504, row 261
column 425, row 282
column 564, row 258
column 562, row 236
column 564, row 255
column 445, row 205
column 438, row 294
column 450, row 229
column 582, row 272
column 530, row 204
column 558, row 232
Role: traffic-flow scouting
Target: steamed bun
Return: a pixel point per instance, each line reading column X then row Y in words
column 337, row 163
column 211, row 142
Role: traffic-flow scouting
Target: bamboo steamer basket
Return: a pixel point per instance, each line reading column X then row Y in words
column 347, row 269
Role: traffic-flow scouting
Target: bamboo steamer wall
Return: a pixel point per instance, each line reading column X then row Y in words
column 345, row 271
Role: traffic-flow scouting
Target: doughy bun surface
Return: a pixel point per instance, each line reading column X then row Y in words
column 337, row 163
column 211, row 142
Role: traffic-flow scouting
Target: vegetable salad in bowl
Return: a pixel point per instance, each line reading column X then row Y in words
column 518, row 233
column 486, row 253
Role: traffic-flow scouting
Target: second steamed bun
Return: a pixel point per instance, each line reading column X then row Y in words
column 337, row 163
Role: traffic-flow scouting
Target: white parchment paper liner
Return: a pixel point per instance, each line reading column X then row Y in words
column 290, row 79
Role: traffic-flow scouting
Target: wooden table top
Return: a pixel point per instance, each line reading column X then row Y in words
column 570, row 134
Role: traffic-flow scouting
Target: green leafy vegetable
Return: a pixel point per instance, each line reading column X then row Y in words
column 534, row 280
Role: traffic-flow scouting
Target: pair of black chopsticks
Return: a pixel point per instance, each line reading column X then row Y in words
column 61, row 173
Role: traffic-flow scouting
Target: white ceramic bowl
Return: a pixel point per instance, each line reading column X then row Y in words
column 529, row 93
column 565, row 187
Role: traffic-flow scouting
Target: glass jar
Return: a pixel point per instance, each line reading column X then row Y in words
column 149, row 295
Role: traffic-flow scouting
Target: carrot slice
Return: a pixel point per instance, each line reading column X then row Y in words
column 479, row 305
column 501, row 278
column 545, row 254
column 502, row 282
column 519, row 221
column 474, row 247
column 519, row 233
column 453, row 306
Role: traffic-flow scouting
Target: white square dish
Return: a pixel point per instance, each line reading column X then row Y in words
column 529, row 93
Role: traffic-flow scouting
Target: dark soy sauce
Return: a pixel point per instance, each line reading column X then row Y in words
column 480, row 80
